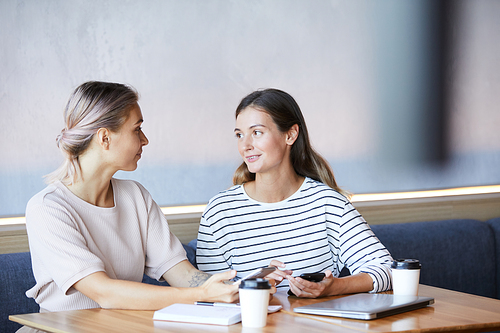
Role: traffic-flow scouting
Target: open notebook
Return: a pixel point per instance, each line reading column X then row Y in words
column 366, row 306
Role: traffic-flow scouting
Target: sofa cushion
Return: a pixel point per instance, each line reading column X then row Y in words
column 15, row 278
column 455, row 254
column 192, row 252
column 495, row 227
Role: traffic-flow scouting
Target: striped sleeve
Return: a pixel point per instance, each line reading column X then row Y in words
column 361, row 251
column 209, row 254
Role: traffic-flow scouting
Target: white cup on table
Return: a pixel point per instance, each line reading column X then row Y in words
column 405, row 277
column 254, row 300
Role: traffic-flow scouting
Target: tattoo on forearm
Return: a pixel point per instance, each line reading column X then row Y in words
column 198, row 278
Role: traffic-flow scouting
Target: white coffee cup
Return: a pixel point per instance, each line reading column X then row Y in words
column 405, row 276
column 254, row 299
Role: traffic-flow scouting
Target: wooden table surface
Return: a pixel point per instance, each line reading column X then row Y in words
column 452, row 311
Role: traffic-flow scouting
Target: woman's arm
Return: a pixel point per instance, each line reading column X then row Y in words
column 185, row 275
column 361, row 251
column 120, row 294
column 354, row 245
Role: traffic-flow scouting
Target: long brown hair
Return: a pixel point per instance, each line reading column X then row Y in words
column 285, row 113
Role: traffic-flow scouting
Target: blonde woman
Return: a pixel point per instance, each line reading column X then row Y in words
column 287, row 210
column 92, row 237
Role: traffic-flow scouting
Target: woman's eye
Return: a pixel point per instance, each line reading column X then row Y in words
column 238, row 135
column 257, row 133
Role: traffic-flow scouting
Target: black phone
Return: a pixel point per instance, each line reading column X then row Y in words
column 313, row 277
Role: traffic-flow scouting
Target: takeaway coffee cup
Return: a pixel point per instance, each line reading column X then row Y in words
column 254, row 299
column 405, row 276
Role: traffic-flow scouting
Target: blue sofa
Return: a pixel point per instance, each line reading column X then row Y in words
column 461, row 255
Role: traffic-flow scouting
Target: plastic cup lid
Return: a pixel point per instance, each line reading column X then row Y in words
column 406, row 264
column 255, row 284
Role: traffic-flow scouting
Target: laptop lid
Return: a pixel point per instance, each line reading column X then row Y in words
column 366, row 306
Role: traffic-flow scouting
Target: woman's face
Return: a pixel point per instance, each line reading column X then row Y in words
column 260, row 143
column 127, row 143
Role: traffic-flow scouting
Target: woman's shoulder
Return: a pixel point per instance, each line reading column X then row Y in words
column 232, row 192
column 53, row 199
column 314, row 187
column 226, row 199
column 44, row 196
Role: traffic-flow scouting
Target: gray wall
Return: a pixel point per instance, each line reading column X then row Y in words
column 363, row 72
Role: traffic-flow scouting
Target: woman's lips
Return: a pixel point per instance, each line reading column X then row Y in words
column 252, row 158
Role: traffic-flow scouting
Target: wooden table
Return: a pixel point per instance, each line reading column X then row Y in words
column 453, row 311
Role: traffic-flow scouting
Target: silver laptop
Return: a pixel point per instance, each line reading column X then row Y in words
column 366, row 306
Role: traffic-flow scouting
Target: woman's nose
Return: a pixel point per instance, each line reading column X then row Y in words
column 144, row 139
column 247, row 143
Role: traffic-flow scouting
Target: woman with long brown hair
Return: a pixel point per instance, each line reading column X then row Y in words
column 285, row 208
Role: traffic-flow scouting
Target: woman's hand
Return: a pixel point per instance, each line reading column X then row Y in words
column 330, row 285
column 207, row 287
column 278, row 275
column 215, row 290
column 308, row 289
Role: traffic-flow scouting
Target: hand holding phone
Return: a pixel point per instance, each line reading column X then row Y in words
column 313, row 277
column 258, row 273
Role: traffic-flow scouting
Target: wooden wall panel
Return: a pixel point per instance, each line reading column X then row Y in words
column 13, row 238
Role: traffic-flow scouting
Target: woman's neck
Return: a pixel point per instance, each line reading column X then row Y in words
column 273, row 187
column 100, row 195
column 94, row 184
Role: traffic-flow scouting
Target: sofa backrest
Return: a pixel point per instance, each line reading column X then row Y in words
column 455, row 254
column 495, row 227
column 15, row 278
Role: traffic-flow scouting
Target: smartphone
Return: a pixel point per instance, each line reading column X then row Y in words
column 313, row 277
column 258, row 273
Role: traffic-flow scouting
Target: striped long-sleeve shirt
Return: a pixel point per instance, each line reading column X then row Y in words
column 313, row 230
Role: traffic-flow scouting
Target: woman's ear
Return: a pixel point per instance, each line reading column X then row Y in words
column 292, row 134
column 103, row 137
